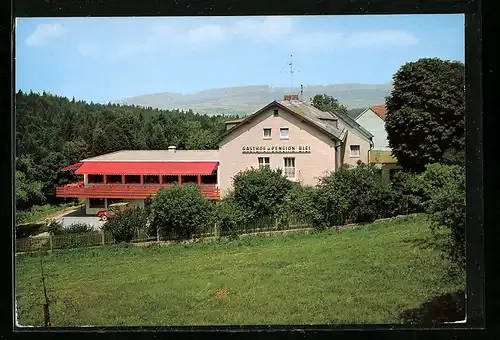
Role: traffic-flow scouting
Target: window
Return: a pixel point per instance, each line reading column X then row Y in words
column 151, row 179
column 267, row 133
column 132, row 179
column 170, row 179
column 284, row 133
column 96, row 202
column 264, row 162
column 96, row 179
column 289, row 168
column 190, row 179
column 113, row 178
column 209, row 179
column 355, row 151
column 275, row 113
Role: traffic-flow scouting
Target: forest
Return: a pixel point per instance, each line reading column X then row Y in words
column 53, row 132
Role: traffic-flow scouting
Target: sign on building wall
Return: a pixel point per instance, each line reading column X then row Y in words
column 277, row 149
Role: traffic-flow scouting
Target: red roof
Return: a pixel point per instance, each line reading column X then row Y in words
column 70, row 167
column 380, row 110
column 147, row 168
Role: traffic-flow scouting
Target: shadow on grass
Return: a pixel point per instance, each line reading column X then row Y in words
column 440, row 309
column 438, row 242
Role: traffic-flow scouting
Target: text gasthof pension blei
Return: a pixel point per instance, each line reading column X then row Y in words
column 276, row 149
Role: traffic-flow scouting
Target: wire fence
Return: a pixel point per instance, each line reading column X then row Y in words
column 49, row 241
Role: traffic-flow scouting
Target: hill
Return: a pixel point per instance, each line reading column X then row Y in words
column 246, row 99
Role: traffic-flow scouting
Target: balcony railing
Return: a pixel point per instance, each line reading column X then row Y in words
column 78, row 190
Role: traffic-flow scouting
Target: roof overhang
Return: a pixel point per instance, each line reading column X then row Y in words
column 71, row 167
column 148, row 168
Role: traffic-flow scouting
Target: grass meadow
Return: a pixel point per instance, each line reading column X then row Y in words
column 371, row 274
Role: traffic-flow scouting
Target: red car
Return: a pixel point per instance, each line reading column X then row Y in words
column 113, row 210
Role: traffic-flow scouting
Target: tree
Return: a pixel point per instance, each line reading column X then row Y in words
column 181, row 209
column 328, row 103
column 425, row 112
column 27, row 191
column 261, row 191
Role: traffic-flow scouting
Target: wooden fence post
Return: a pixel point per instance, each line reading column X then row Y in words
column 216, row 230
column 50, row 240
column 102, row 237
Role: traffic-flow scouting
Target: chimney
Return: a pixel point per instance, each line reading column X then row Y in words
column 171, row 148
column 290, row 97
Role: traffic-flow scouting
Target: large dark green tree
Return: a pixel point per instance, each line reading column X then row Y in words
column 328, row 103
column 426, row 113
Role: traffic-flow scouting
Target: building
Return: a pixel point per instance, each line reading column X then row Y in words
column 373, row 120
column 133, row 175
column 304, row 142
column 298, row 138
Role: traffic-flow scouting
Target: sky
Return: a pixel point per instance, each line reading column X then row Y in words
column 107, row 59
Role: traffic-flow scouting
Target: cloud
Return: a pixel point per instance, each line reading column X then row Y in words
column 336, row 40
column 268, row 29
column 44, row 33
column 381, row 38
column 206, row 34
column 265, row 30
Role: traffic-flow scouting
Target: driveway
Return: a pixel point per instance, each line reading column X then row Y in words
column 79, row 216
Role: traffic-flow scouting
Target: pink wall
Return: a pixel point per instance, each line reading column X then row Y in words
column 309, row 166
column 354, row 138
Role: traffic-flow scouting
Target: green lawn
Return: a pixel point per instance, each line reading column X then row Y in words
column 365, row 275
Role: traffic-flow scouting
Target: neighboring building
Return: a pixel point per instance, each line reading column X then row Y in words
column 304, row 142
column 373, row 120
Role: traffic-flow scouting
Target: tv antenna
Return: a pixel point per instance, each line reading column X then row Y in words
column 291, row 71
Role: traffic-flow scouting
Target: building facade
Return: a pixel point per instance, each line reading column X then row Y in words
column 302, row 141
column 373, row 120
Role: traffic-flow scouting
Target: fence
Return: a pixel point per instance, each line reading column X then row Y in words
column 98, row 238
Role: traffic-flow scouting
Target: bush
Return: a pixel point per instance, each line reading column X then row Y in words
column 408, row 191
column 124, row 226
column 351, row 195
column 300, row 204
column 261, row 191
column 231, row 217
column 75, row 228
column 446, row 204
column 181, row 210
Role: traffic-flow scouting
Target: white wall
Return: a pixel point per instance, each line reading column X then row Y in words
column 131, row 203
column 376, row 126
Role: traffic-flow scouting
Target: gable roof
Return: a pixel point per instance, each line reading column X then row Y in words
column 380, row 110
column 352, row 123
column 308, row 114
column 307, row 118
column 156, row 156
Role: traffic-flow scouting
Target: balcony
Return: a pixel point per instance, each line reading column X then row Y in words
column 138, row 191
